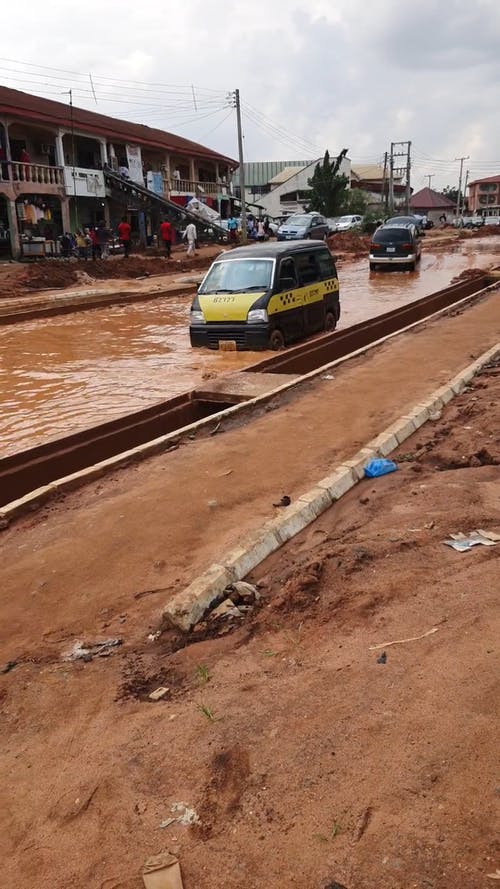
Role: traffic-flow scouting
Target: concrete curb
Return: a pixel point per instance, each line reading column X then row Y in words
column 34, row 499
column 64, row 303
column 189, row 606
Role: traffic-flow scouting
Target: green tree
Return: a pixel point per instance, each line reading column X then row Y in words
column 451, row 193
column 355, row 202
column 328, row 188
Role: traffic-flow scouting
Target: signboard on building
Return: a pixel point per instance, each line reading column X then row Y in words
column 155, row 182
column 84, row 183
column 134, row 163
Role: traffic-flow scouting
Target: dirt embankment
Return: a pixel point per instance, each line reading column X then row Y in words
column 353, row 242
column 55, row 274
column 17, row 279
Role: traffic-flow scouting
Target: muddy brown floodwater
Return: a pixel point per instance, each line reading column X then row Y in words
column 65, row 373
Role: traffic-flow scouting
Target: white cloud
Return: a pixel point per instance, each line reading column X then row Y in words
column 336, row 73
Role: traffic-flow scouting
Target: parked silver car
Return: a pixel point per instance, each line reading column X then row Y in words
column 303, row 225
column 344, row 223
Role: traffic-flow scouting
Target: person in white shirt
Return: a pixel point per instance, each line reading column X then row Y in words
column 190, row 236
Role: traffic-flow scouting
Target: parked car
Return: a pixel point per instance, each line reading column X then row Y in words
column 303, row 225
column 396, row 245
column 406, row 220
column 344, row 223
column 332, row 223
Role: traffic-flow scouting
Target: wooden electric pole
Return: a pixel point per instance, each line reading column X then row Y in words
column 242, row 167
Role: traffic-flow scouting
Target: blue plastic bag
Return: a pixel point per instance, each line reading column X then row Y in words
column 379, row 467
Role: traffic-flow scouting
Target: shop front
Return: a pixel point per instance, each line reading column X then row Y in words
column 39, row 220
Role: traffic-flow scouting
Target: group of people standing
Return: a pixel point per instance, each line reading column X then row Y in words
column 95, row 241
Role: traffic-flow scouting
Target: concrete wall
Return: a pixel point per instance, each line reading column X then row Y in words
column 272, row 202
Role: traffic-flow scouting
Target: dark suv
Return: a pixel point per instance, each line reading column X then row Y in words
column 395, row 245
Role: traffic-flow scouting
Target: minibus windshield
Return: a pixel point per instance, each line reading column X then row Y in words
column 238, row 276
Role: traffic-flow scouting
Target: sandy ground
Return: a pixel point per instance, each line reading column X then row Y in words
column 308, row 763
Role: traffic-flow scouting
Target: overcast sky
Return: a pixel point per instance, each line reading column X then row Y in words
column 321, row 73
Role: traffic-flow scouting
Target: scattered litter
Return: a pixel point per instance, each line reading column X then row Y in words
column 215, row 430
column 8, row 666
column 182, row 814
column 212, row 504
column 285, row 501
column 152, row 637
column 162, row 872
column 242, row 593
column 159, row 693
column 436, row 415
column 87, row 650
column 402, row 641
column 378, row 467
column 495, row 876
column 227, row 472
column 382, row 658
column 462, row 542
column 328, row 377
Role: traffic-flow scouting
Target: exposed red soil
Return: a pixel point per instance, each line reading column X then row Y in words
column 53, row 274
column 308, row 762
column 353, row 242
column 468, row 275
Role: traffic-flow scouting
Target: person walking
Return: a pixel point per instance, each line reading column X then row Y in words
column 103, row 240
column 190, row 236
column 96, row 247
column 124, row 230
column 166, row 236
column 232, row 227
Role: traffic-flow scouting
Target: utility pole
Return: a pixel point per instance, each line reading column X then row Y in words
column 242, row 168
column 465, row 190
column 459, row 195
column 429, row 176
column 402, row 150
column 408, row 171
column 384, row 182
column 391, row 180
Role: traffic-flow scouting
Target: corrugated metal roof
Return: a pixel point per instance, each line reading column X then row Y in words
column 258, row 173
column 285, row 174
column 22, row 106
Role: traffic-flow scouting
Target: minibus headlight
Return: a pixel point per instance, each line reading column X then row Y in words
column 256, row 315
column 197, row 316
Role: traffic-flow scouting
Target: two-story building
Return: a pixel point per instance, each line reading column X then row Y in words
column 484, row 196
column 53, row 160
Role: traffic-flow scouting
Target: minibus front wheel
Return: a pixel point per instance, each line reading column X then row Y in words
column 276, row 340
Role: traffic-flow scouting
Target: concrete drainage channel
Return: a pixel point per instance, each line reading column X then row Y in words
column 32, row 477
column 187, row 608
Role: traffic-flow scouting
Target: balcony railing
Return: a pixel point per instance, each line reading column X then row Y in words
column 190, row 186
column 36, row 174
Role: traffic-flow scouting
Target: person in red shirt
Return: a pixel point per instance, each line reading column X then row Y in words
column 166, row 236
column 124, row 230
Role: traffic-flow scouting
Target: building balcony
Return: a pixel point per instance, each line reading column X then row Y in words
column 35, row 174
column 190, row 186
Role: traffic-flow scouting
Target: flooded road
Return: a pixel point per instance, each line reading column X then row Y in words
column 61, row 374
